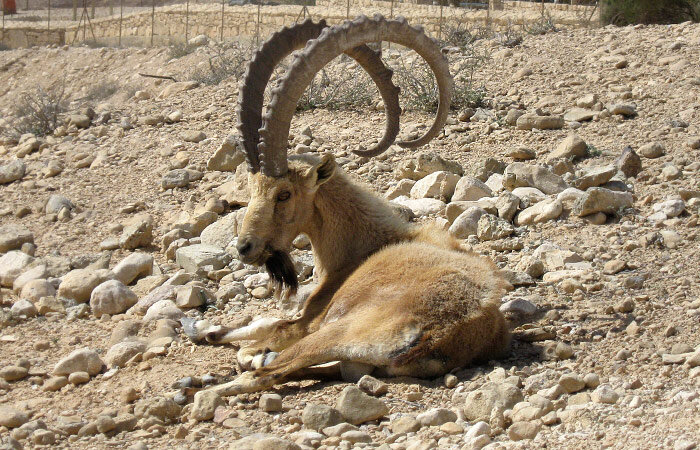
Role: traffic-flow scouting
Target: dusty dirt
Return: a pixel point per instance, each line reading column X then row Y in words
column 658, row 405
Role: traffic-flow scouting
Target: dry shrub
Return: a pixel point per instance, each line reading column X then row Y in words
column 626, row 12
column 39, row 111
column 226, row 60
column 342, row 86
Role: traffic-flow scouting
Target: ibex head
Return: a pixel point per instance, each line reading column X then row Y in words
column 278, row 208
column 282, row 189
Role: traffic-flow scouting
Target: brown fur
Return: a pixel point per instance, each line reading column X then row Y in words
column 403, row 298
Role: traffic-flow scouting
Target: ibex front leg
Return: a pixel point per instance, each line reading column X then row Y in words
column 274, row 335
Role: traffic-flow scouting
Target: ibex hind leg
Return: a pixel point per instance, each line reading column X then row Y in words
column 325, row 345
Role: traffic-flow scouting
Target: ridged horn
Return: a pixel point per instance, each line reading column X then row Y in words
column 272, row 52
column 318, row 52
column 252, row 90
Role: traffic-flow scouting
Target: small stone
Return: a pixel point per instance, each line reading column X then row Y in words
column 518, row 306
column 271, row 402
column 594, row 176
column 373, row 386
column 623, row 109
column 13, row 373
column 12, row 171
column 629, row 162
column 194, row 136
column 571, row 147
column 440, row 185
column 670, row 173
column 23, row 308
column 260, row 292
column 466, row 224
column 491, row 228
column 81, row 360
column 479, row 403
column 614, row 266
column 522, row 154
column 652, row 150
column 571, row 382
column 519, row 174
column 318, row 417
column 105, row 424
column 119, row 354
column 356, row 436
column 111, row 297
column 523, row 430
column 12, row 265
column 450, row 381
column 533, row 121
column 625, row 306
column 163, row 309
column 273, row 443
column 79, row 378
column 358, row 407
column 129, row 395
column 162, row 408
column 436, row 417
column 78, row 284
column 605, row 394
column 43, row 437
column 191, row 296
column 602, row 200
column 563, row 351
column 55, row 383
column 405, row 424
column 138, row 232
column 12, row 237
column 134, row 266
column 193, row 257
column 470, row 189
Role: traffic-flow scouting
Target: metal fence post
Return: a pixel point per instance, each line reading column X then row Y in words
column 92, row 10
column 257, row 27
column 347, row 11
column 222, row 21
column 187, row 21
column 121, row 18
column 75, row 10
column 440, row 25
column 153, row 19
column 48, row 23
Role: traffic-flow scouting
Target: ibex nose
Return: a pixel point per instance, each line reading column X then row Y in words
column 244, row 246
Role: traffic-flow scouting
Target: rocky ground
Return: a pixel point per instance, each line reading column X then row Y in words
column 579, row 176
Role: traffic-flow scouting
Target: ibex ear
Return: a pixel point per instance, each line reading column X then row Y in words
column 324, row 170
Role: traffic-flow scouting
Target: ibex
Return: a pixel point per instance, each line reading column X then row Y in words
column 393, row 297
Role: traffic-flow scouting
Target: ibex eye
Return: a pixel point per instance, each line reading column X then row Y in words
column 283, row 196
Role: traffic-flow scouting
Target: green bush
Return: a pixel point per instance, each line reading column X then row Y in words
column 626, row 12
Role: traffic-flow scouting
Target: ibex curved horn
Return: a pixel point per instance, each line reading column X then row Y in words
column 319, row 52
column 274, row 50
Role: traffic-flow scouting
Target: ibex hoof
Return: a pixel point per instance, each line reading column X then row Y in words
column 215, row 333
column 197, row 330
column 245, row 358
column 251, row 359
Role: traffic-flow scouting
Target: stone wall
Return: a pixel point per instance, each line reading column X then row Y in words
column 242, row 21
column 29, row 36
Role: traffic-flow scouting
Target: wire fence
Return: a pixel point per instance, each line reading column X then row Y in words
column 156, row 22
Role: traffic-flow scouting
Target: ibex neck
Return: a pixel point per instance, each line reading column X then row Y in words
column 349, row 224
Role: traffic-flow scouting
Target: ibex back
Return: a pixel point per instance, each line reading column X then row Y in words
column 394, row 297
